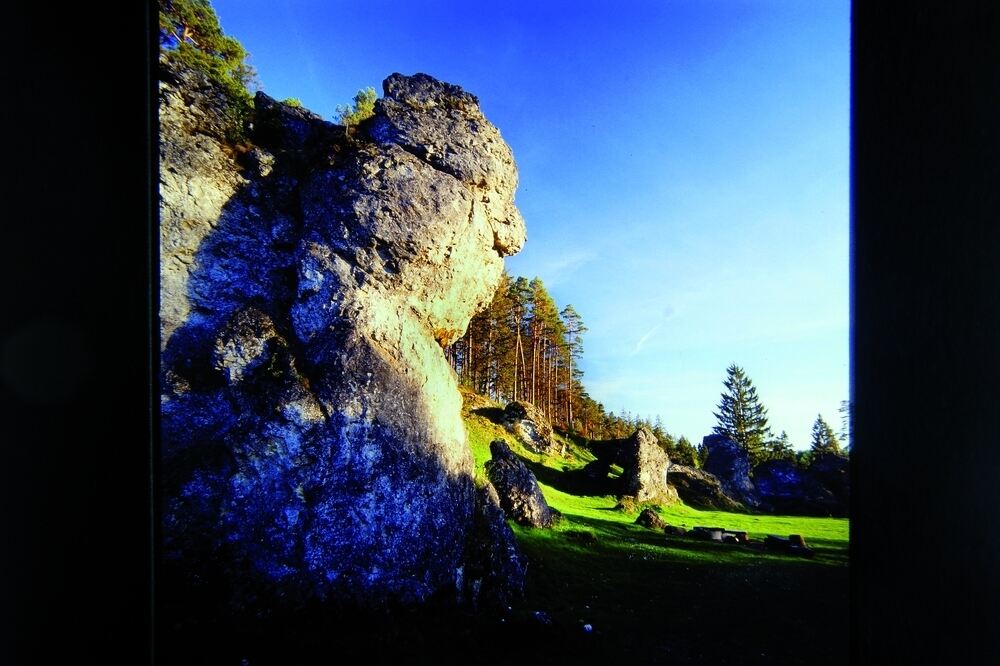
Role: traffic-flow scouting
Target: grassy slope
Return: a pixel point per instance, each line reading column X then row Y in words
column 651, row 598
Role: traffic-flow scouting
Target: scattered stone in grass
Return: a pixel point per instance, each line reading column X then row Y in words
column 729, row 538
column 710, row 533
column 651, row 519
column 794, row 544
column 672, row 530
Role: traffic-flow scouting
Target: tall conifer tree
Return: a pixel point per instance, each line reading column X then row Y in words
column 742, row 418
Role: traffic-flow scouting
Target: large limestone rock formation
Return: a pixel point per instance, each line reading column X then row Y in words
column 729, row 463
column 529, row 425
column 520, row 496
column 312, row 445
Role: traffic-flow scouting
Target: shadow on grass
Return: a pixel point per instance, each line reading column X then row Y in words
column 494, row 414
column 573, row 481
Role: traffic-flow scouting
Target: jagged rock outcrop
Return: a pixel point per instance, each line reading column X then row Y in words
column 520, row 496
column 529, row 425
column 700, row 489
column 644, row 468
column 729, row 463
column 312, row 445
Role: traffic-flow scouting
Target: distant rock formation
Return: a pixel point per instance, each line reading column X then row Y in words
column 312, row 444
column 529, row 425
column 700, row 489
column 644, row 466
column 730, row 464
column 822, row 489
column 520, row 496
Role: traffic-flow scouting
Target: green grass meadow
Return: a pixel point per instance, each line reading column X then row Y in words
column 650, row 598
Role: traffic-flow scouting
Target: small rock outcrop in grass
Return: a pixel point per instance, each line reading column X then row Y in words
column 529, row 425
column 518, row 490
column 649, row 518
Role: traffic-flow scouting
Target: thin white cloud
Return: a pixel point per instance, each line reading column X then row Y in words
column 558, row 268
column 650, row 333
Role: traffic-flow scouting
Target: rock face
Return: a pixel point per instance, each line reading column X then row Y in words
column 312, row 444
column 520, row 496
column 644, row 468
column 700, row 489
column 528, row 424
column 729, row 463
column 494, row 570
column 821, row 489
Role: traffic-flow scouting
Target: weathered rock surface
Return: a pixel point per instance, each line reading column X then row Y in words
column 832, row 472
column 312, row 445
column 494, row 572
column 821, row 489
column 700, row 489
column 729, row 463
column 529, row 425
column 644, row 468
column 520, row 496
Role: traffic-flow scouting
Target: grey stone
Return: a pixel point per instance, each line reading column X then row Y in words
column 529, row 425
column 520, row 496
column 644, row 468
column 700, row 489
column 730, row 464
column 312, row 443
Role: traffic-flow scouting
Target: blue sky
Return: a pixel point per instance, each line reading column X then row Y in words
column 683, row 173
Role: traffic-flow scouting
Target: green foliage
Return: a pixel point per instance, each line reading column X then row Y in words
column 293, row 102
column 824, row 440
column 779, row 449
column 742, row 418
column 685, row 453
column 190, row 34
column 362, row 109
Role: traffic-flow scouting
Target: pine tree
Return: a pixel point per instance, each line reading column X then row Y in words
column 742, row 418
column 824, row 440
column 685, row 452
column 780, row 448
